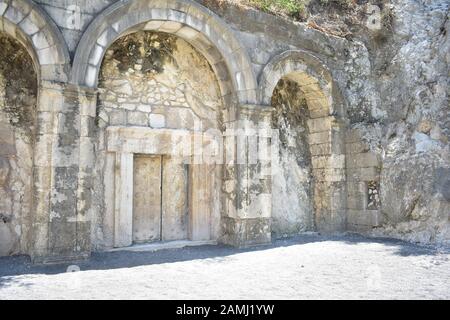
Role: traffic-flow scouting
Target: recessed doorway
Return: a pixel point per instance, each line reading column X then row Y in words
column 160, row 199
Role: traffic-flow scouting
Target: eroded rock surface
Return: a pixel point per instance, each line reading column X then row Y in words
column 18, row 90
column 292, row 188
column 402, row 113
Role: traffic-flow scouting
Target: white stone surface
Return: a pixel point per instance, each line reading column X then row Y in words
column 3, row 7
column 123, row 233
column 40, row 41
column 28, row 26
column 96, row 55
column 157, row 121
column 310, row 268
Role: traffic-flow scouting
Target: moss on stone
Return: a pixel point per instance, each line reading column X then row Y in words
column 151, row 51
column 19, row 84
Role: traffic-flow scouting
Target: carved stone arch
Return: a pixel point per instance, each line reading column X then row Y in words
column 313, row 77
column 32, row 27
column 184, row 18
column 325, row 127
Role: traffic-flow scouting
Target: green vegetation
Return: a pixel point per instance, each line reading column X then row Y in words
column 343, row 3
column 292, row 8
column 297, row 9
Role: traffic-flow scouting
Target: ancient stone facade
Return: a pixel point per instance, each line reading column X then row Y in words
column 127, row 122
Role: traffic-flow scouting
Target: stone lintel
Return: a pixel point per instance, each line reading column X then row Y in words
column 67, row 87
column 156, row 141
column 255, row 112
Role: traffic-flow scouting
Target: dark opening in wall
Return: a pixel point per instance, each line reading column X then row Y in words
column 373, row 195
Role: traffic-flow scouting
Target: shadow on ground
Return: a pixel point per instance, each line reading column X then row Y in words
column 21, row 265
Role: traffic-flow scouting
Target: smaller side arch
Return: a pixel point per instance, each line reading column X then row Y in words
column 314, row 78
column 325, row 127
column 32, row 27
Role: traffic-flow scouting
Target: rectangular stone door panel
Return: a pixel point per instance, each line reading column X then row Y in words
column 200, row 199
column 174, row 199
column 147, row 199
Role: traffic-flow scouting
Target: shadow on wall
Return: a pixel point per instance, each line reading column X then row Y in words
column 10, row 267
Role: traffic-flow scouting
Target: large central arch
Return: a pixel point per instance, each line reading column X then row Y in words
column 186, row 19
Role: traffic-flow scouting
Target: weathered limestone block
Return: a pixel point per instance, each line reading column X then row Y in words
column 363, row 160
column 64, row 158
column 246, row 232
column 137, row 118
column 157, row 121
column 363, row 220
column 329, row 162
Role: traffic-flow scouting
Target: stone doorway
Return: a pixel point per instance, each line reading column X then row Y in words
column 160, row 199
column 159, row 192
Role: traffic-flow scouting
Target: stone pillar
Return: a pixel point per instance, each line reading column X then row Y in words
column 200, row 199
column 247, row 178
column 363, row 176
column 49, row 105
column 87, row 101
column 123, row 227
column 61, row 228
column 327, row 147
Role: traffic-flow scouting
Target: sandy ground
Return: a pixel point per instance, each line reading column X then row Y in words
column 305, row 267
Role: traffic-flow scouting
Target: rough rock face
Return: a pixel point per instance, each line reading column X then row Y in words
column 17, row 112
column 398, row 102
column 292, row 210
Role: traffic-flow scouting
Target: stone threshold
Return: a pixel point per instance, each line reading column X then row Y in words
column 150, row 247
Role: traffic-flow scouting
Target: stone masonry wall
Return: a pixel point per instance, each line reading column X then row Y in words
column 363, row 184
column 380, row 149
column 154, row 85
column 154, row 80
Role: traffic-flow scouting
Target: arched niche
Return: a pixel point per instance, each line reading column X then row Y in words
column 18, row 120
column 309, row 175
column 29, row 25
column 186, row 19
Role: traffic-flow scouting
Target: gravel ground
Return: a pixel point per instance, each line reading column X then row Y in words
column 305, row 267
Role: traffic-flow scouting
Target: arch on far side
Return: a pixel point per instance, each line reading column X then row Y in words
column 325, row 128
column 31, row 26
column 313, row 77
column 184, row 18
column 26, row 22
column 18, row 100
